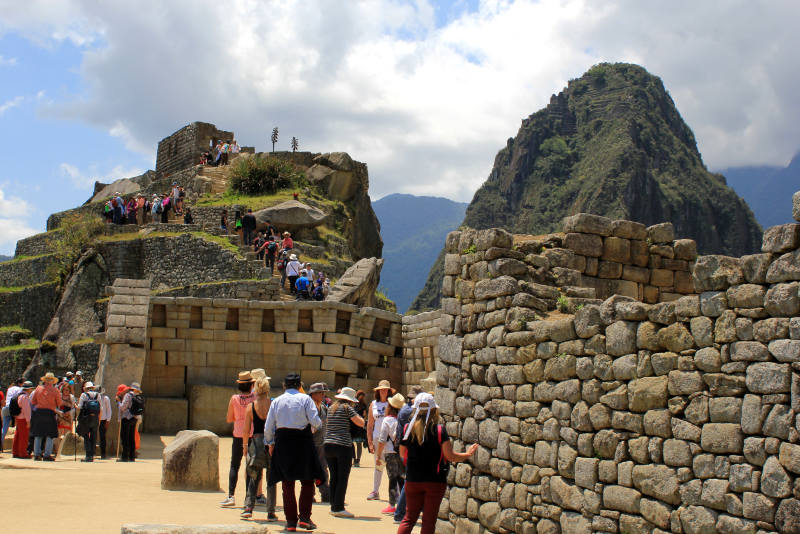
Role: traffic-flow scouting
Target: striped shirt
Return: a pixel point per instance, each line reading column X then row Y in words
column 338, row 429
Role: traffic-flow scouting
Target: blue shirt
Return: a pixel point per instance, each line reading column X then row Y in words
column 404, row 417
column 302, row 283
column 291, row 410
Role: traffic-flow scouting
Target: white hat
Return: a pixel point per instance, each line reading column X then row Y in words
column 88, row 385
column 348, row 394
column 422, row 398
column 292, row 257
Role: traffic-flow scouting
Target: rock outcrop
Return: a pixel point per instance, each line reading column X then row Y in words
column 191, row 462
column 290, row 215
column 358, row 284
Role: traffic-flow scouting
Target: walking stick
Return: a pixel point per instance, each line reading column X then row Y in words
column 119, row 430
column 74, row 443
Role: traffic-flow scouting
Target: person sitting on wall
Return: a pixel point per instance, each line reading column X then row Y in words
column 187, row 216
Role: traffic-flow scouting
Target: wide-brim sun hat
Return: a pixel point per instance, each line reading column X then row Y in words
column 136, row 386
column 397, row 401
column 292, row 257
column 318, row 387
column 259, row 373
column 244, row 377
column 49, row 377
column 89, row 385
column 347, row 394
column 383, row 384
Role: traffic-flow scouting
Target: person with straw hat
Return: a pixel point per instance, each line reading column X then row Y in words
column 428, row 450
column 44, row 402
column 257, row 456
column 237, row 407
column 288, row 432
column 19, row 447
column 339, row 447
column 387, row 453
column 376, row 413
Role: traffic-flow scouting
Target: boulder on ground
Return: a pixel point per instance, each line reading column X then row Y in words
column 191, row 462
column 358, row 283
column 123, row 186
column 291, row 215
column 71, row 445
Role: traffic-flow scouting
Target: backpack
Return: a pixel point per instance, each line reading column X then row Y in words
column 113, row 202
column 137, row 405
column 92, row 406
column 14, row 409
column 319, row 293
column 281, row 264
column 271, row 248
column 159, row 209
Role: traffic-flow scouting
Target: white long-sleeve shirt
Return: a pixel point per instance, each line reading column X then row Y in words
column 105, row 408
column 291, row 410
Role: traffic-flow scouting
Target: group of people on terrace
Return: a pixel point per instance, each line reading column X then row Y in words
column 316, row 437
column 276, row 250
column 139, row 209
column 43, row 415
column 220, row 154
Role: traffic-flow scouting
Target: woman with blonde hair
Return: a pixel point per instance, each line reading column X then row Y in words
column 428, row 450
column 255, row 451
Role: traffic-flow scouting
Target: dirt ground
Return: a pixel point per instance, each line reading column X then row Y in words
column 103, row 495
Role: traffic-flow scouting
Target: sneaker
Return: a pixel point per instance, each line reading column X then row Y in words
column 247, row 513
column 291, row 528
column 373, row 496
column 389, row 510
column 261, row 499
column 49, row 459
column 272, row 517
column 398, row 521
column 306, row 525
column 356, row 464
column 343, row 513
column 228, row 502
column 37, row 458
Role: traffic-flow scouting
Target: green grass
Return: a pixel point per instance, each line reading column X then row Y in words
column 160, row 291
column 19, row 259
column 16, row 289
column 82, row 341
column 219, row 240
column 253, row 202
column 29, row 345
column 15, row 328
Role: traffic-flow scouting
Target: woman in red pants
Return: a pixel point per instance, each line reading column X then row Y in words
column 428, row 449
column 19, row 449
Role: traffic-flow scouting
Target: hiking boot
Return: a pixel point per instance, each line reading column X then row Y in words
column 272, row 517
column 37, row 458
column 306, row 525
column 343, row 513
column 389, row 510
column 373, row 496
column 49, row 459
column 228, row 502
column 247, row 513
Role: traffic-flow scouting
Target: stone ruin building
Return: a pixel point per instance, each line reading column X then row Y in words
column 183, row 148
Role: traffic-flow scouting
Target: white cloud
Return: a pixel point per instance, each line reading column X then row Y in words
column 83, row 179
column 427, row 108
column 7, row 61
column 13, row 226
column 8, row 104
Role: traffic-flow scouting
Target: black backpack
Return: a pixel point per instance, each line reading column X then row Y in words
column 137, row 405
column 92, row 406
column 14, row 409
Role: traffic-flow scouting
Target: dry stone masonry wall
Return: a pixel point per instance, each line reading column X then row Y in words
column 420, row 348
column 183, row 148
column 626, row 417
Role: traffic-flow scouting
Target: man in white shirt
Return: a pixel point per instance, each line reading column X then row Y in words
column 12, row 392
column 293, row 269
column 105, row 419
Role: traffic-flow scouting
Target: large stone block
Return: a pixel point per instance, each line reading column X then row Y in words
column 339, row 365
column 208, row 406
column 647, row 393
column 716, row 272
column 722, row 438
column 584, row 244
column 366, row 357
column 782, row 238
column 191, row 462
column 588, row 224
column 169, row 416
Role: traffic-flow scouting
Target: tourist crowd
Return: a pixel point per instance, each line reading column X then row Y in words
column 316, row 437
column 220, row 153
column 44, row 415
column 138, row 209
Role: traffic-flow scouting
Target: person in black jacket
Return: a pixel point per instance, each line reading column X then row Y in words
column 248, row 227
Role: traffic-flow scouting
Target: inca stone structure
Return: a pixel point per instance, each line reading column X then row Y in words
column 183, row 148
column 644, row 413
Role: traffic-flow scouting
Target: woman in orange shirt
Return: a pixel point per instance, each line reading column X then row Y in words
column 45, row 403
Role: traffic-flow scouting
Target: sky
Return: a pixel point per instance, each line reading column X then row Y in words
column 424, row 92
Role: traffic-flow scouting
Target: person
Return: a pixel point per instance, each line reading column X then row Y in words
column 12, row 392
column 237, row 408
column 218, row 154
column 181, row 197
column 187, row 217
column 44, row 401
column 130, row 210
column 140, row 209
column 386, row 453
column 223, row 221
column 270, row 248
column 258, row 246
column 376, row 413
column 235, row 148
column 105, row 420
column 270, row 230
column 281, row 264
column 425, row 444
column 287, row 243
column 301, row 286
column 403, row 418
column 129, row 418
column 248, row 227
column 317, row 393
column 226, row 148
column 166, row 205
column 287, row 432
column 359, row 433
column 293, row 272
column 116, row 206
column 89, row 408
column 19, row 447
column 339, row 447
column 309, row 271
column 254, row 449
column 155, row 209
column 66, row 412
column 174, row 192
column 78, row 381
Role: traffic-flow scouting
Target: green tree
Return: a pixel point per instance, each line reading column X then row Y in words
column 274, row 137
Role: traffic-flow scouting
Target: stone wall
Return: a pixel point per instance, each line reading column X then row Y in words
column 183, row 148
column 420, row 347
column 25, row 272
column 30, row 307
column 196, row 342
column 238, row 289
column 625, row 417
column 36, row 245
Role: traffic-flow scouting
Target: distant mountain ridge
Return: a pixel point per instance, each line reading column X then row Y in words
column 611, row 143
column 413, row 230
column 767, row 189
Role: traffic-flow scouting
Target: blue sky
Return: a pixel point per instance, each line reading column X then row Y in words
column 424, row 92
